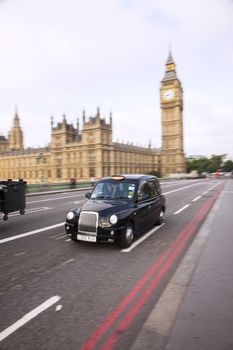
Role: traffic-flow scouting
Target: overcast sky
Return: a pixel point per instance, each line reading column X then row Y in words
column 63, row 56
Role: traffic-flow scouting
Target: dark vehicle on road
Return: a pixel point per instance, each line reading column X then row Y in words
column 12, row 197
column 119, row 208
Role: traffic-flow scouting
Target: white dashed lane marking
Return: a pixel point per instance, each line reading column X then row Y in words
column 181, row 209
column 29, row 316
column 12, row 238
column 196, row 199
column 140, row 240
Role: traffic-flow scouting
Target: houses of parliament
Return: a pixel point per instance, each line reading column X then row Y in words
column 91, row 152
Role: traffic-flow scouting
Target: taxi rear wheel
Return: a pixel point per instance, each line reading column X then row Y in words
column 127, row 236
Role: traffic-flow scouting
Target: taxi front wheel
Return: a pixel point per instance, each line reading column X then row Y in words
column 161, row 217
column 74, row 237
column 127, row 236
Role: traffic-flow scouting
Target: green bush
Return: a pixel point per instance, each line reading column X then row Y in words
column 155, row 173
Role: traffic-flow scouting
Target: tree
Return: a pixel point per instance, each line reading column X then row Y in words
column 154, row 173
column 215, row 164
column 204, row 164
column 228, row 166
column 200, row 165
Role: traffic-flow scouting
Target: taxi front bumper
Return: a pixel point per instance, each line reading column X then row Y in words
column 102, row 234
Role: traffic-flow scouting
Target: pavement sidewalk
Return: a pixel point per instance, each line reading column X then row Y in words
column 196, row 310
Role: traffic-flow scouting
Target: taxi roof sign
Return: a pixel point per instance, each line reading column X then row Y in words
column 118, row 177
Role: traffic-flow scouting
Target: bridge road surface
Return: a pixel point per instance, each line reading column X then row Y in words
column 56, row 293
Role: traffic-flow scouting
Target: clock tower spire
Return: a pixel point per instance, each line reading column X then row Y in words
column 171, row 102
column 15, row 136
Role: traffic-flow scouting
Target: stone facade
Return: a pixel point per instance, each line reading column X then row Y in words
column 91, row 152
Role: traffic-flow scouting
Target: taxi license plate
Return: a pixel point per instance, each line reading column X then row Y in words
column 86, row 238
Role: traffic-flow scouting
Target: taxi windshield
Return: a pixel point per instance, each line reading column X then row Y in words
column 114, row 190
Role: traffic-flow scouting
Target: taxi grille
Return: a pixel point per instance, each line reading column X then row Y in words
column 88, row 223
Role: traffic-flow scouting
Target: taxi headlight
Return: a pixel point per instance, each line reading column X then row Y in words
column 113, row 219
column 70, row 215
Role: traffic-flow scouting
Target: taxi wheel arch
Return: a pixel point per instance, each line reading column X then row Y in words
column 127, row 235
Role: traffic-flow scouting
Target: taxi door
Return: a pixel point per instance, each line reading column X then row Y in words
column 154, row 190
column 144, row 210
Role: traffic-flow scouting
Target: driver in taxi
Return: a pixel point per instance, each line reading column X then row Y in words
column 109, row 189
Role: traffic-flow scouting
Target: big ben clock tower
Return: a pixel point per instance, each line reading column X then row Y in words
column 171, row 102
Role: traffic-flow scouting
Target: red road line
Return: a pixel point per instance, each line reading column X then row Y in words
column 99, row 332
column 139, row 285
column 120, row 308
column 128, row 318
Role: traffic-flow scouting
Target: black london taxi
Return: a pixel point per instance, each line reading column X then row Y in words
column 119, row 208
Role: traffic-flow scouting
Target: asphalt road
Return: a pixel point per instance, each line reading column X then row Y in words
column 56, row 293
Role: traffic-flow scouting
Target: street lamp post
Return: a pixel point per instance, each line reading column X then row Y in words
column 41, row 159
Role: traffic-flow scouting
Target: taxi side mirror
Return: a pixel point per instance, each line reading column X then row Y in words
column 88, row 195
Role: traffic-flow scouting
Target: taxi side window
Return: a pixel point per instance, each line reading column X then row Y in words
column 158, row 188
column 152, row 188
column 144, row 189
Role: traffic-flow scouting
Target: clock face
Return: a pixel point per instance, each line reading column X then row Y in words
column 168, row 95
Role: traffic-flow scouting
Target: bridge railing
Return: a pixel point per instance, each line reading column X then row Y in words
column 34, row 188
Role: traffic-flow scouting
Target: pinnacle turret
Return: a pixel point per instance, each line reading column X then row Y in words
column 170, row 68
